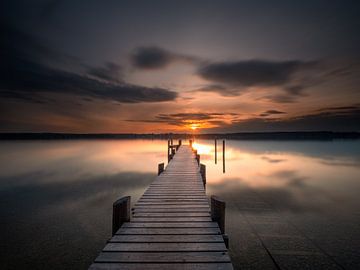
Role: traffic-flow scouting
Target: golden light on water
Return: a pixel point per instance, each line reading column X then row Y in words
column 202, row 148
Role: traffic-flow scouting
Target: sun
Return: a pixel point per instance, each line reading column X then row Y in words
column 194, row 126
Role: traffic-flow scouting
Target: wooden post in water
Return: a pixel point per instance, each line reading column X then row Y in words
column 198, row 159
column 161, row 168
column 121, row 213
column 203, row 173
column 218, row 212
column 190, row 143
column 215, row 151
column 168, row 151
column 223, row 156
column 172, row 152
column 180, row 142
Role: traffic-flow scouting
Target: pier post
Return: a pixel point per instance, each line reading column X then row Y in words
column 180, row 142
column 203, row 173
column 121, row 213
column 215, row 151
column 190, row 142
column 218, row 212
column 223, row 156
column 198, row 159
column 161, row 168
column 168, row 151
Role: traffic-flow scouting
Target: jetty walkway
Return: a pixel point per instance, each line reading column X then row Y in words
column 173, row 226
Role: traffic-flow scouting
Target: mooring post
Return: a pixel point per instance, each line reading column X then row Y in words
column 203, row 173
column 121, row 213
column 168, row 151
column 190, row 142
column 223, row 156
column 172, row 153
column 218, row 215
column 215, row 151
column 180, row 142
column 198, row 159
column 160, row 168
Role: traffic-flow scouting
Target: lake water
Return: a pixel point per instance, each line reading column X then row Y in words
column 290, row 204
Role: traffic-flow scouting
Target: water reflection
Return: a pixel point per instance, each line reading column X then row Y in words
column 56, row 197
column 290, row 204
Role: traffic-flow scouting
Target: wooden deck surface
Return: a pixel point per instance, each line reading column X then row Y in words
column 171, row 226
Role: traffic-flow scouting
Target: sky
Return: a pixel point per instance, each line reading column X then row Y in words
column 179, row 66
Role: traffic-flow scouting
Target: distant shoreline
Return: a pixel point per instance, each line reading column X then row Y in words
column 311, row 135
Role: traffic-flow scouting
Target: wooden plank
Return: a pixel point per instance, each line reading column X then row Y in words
column 172, row 206
column 171, row 219
column 183, row 214
column 164, row 247
column 155, row 257
column 167, row 210
column 168, row 231
column 166, row 239
column 156, row 266
column 171, row 225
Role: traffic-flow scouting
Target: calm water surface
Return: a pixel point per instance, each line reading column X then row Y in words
column 290, row 205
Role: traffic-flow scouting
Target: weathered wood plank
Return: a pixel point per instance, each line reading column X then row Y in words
column 168, row 231
column 184, row 214
column 164, row 247
column 159, row 257
column 156, row 266
column 171, row 219
column 167, row 238
column 171, row 225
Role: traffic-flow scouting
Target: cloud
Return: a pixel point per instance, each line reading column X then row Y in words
column 183, row 119
column 328, row 120
column 111, row 72
column 157, row 58
column 271, row 112
column 233, row 78
column 27, row 70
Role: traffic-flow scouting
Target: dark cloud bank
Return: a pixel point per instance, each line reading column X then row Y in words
column 27, row 69
column 156, row 58
column 333, row 118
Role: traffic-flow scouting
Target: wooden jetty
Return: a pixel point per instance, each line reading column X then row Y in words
column 173, row 226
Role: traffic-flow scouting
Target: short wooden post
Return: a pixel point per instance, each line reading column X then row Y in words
column 121, row 213
column 218, row 212
column 180, row 142
column 168, row 150
column 215, row 151
column 223, row 156
column 198, row 159
column 161, row 168
column 203, row 173
column 190, row 143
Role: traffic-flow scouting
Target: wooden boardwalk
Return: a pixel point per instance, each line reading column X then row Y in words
column 171, row 225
